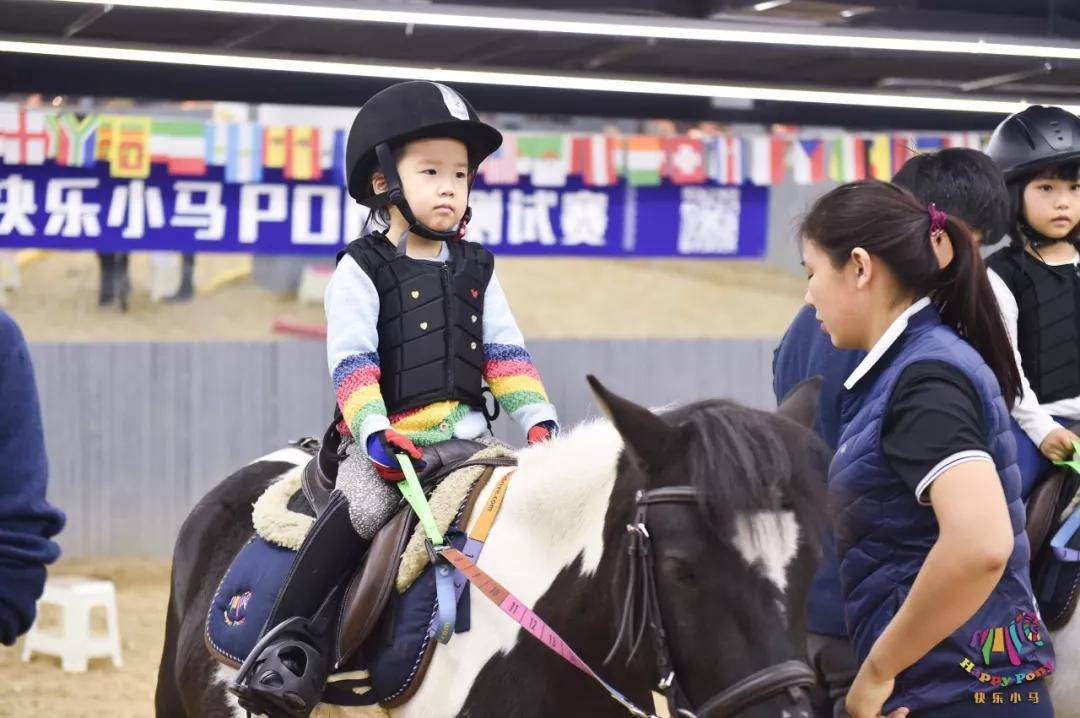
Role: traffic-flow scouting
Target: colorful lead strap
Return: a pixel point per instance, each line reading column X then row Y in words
column 412, row 491
column 444, row 576
column 532, row 623
column 1059, row 543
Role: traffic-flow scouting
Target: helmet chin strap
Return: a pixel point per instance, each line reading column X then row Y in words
column 395, row 197
column 1038, row 239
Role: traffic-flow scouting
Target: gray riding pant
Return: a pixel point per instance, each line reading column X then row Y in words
column 373, row 501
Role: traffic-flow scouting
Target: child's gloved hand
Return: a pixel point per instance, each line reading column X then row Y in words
column 382, row 448
column 542, row 432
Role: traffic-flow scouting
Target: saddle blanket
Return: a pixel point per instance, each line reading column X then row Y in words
column 390, row 664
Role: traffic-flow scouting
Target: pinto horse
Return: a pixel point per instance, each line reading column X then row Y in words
column 733, row 500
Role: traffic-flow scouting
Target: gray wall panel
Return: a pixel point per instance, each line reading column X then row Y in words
column 137, row 432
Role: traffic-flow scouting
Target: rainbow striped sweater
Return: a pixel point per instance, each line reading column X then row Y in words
column 352, row 310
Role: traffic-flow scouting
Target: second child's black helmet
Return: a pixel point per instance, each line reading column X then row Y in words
column 398, row 115
column 1027, row 143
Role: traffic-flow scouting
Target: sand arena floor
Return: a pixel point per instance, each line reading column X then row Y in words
column 552, row 298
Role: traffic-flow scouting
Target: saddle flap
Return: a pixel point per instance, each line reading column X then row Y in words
column 369, row 590
column 315, row 486
column 1044, row 504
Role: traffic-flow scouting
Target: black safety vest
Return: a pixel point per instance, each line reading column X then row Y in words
column 1048, row 325
column 431, row 319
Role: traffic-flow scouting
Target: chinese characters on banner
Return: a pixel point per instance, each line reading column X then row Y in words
column 84, row 207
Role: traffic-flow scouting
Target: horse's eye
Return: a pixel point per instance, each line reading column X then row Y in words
column 680, row 568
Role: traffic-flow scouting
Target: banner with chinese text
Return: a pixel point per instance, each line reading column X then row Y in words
column 51, row 206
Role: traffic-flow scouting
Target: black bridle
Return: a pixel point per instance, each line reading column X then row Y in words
column 792, row 677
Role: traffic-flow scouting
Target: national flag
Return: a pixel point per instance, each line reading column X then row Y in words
column 275, row 147
column 902, row 151
column 644, row 160
column 726, row 160
column 548, row 159
column 929, row 143
column 685, row 160
column 847, row 159
column 767, row 159
column 970, row 140
column 71, row 140
column 24, row 135
column 501, row 166
column 808, row 161
column 103, row 143
column 880, row 158
column 302, row 154
column 594, row 159
column 780, row 148
column 129, row 149
column 243, row 155
column 836, row 159
column 180, row 145
column 332, row 155
column 217, row 143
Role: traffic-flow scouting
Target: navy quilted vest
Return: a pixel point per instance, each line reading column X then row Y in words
column 883, row 536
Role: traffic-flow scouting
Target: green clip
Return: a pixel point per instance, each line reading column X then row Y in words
column 414, row 493
column 1074, row 462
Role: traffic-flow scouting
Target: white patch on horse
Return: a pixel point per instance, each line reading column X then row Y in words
column 768, row 541
column 224, row 676
column 553, row 513
column 290, row 455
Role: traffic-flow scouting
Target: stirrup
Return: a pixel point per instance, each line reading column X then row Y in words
column 285, row 673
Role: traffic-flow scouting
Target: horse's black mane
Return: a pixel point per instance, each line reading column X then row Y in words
column 739, row 460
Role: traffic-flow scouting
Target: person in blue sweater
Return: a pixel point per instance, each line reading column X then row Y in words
column 27, row 521
column 961, row 182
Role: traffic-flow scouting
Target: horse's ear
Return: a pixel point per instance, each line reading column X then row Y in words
column 801, row 403
column 643, row 432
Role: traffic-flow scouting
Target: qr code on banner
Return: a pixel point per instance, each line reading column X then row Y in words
column 709, row 220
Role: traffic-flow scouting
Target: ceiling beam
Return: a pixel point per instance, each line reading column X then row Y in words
column 533, row 21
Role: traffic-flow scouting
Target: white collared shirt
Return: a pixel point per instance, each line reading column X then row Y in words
column 885, row 341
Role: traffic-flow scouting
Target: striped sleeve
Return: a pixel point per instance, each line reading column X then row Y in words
column 508, row 367
column 352, row 342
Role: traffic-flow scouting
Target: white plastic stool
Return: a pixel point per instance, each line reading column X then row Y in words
column 74, row 643
column 313, row 281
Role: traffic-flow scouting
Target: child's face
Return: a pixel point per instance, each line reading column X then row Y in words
column 435, row 178
column 1052, row 206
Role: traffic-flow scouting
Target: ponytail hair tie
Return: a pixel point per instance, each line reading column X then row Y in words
column 937, row 219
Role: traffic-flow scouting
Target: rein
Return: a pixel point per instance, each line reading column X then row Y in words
column 791, row 677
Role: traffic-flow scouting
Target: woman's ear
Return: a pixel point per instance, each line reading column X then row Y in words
column 942, row 245
column 378, row 182
column 863, row 266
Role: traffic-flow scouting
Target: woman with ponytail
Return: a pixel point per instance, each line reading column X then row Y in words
column 924, row 490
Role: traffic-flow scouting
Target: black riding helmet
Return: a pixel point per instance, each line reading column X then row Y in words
column 398, row 115
column 1028, row 142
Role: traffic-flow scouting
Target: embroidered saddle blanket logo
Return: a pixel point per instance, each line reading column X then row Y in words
column 237, row 608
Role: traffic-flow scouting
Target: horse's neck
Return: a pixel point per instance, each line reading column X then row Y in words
column 559, row 495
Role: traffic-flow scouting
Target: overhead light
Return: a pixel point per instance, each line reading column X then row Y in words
column 770, row 4
column 587, row 83
column 585, row 24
